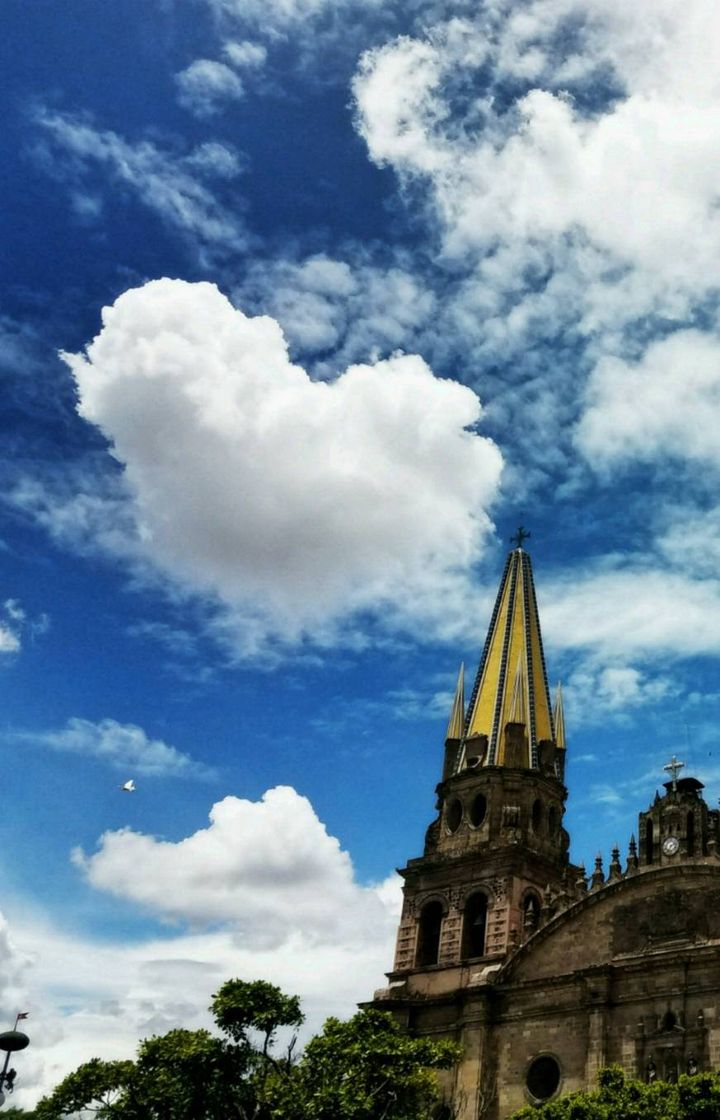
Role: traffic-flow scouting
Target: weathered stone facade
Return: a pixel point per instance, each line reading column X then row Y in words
column 543, row 974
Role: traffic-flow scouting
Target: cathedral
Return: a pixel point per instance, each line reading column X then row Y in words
column 542, row 973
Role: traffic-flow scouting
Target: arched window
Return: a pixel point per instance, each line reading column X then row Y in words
column 478, row 810
column 691, row 834
column 536, row 818
column 552, row 820
column 649, row 852
column 453, row 814
column 428, row 948
column 474, row 926
column 531, row 913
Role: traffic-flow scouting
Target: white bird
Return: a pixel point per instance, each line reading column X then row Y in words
column 129, row 787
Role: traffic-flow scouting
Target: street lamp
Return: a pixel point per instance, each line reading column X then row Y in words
column 10, row 1041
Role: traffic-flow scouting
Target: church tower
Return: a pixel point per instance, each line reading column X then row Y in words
column 543, row 974
column 497, row 851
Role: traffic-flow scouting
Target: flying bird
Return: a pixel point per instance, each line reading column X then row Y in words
column 128, row 787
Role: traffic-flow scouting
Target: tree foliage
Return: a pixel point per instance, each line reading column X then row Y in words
column 363, row 1069
column 95, row 1085
column 620, row 1098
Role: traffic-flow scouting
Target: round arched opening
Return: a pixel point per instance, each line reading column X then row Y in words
column 430, row 928
column 552, row 820
column 474, row 926
column 453, row 814
column 536, row 817
column 478, row 809
column 543, row 1078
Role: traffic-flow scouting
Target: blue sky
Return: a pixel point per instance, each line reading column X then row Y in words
column 305, row 306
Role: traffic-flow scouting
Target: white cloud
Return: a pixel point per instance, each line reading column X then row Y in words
column 124, row 746
column 690, row 539
column 340, row 312
column 170, row 184
column 280, row 14
column 567, row 173
column 9, row 640
column 595, row 693
column 630, row 176
column 15, row 625
column 664, row 406
column 245, row 55
column 206, row 85
column 299, row 504
column 653, row 612
column 268, row 868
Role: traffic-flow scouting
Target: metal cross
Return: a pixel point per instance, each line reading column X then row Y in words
column 674, row 767
column 519, row 537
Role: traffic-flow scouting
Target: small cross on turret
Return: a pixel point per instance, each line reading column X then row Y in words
column 673, row 768
column 519, row 537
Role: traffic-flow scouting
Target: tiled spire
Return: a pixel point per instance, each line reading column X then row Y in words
column 512, row 678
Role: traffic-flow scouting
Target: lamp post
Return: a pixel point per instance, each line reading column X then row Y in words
column 11, row 1041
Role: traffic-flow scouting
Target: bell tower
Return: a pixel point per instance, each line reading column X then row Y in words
column 678, row 826
column 497, row 853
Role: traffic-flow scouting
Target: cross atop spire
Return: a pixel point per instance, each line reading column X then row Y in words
column 520, row 536
column 673, row 768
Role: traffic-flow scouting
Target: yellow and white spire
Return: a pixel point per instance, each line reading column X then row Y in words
column 456, row 723
column 511, row 684
column 559, row 718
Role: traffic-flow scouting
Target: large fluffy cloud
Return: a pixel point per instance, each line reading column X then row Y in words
column 268, row 868
column 299, row 504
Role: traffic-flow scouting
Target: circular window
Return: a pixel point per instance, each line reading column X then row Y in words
column 543, row 1078
column 453, row 814
column 478, row 809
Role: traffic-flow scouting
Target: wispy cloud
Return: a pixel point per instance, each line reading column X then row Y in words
column 173, row 184
column 16, row 625
column 208, row 85
column 124, row 746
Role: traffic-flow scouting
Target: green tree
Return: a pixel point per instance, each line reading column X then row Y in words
column 363, row 1069
column 95, row 1086
column 188, row 1075
column 620, row 1098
